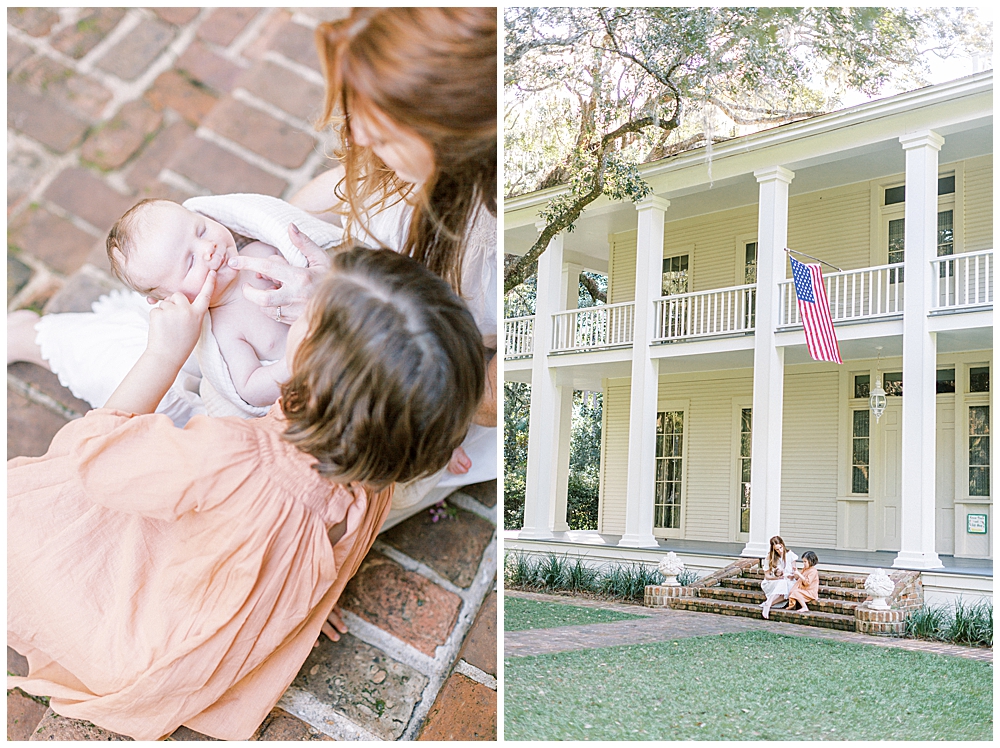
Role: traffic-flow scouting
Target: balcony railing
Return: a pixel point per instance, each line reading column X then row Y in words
column 963, row 281
column 593, row 327
column 705, row 313
column 868, row 293
column 518, row 337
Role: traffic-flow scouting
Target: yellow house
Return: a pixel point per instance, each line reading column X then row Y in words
column 719, row 429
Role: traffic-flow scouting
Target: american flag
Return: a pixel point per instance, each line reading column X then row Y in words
column 814, row 311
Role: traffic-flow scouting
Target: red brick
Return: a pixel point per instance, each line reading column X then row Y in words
column 86, row 196
column 55, row 727
column 298, row 43
column 71, row 91
column 163, row 191
column 285, row 89
column 33, row 21
column 186, row 733
column 146, row 167
column 480, row 647
column 30, row 426
column 25, row 167
column 53, row 240
column 174, row 90
column 405, row 604
column 43, row 120
column 327, row 14
column 203, row 65
column 177, row 16
column 132, row 55
column 280, row 725
column 46, row 382
column 464, row 710
column 78, row 39
column 225, row 24
column 453, row 547
column 118, row 139
column 16, row 53
column 221, row 172
column 261, row 133
column 261, row 43
column 23, row 715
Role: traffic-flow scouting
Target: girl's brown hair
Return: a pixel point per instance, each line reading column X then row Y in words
column 385, row 383
column 433, row 70
column 772, row 556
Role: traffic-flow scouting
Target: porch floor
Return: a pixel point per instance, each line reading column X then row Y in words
column 872, row 559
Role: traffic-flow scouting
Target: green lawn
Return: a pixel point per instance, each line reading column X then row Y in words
column 520, row 614
column 747, row 686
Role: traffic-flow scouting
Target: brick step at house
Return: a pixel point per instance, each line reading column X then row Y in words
column 752, row 597
column 749, row 610
column 829, row 579
column 849, row 594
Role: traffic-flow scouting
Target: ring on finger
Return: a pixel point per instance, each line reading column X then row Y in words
column 277, row 315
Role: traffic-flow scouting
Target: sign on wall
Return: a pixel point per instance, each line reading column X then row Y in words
column 975, row 524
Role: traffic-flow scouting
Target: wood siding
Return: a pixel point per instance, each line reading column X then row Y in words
column 978, row 223
column 614, row 456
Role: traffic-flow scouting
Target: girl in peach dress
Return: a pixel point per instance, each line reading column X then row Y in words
column 159, row 576
column 806, row 587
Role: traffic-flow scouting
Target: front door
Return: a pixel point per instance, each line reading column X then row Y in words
column 888, row 476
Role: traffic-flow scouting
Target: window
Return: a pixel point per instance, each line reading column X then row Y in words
column 675, row 275
column 669, row 469
column 945, row 381
column 895, row 228
column 862, row 385
column 859, row 452
column 979, row 450
column 750, row 263
column 744, row 459
column 892, row 383
column 979, row 379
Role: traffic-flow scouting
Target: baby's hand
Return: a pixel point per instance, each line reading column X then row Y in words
column 459, row 464
column 175, row 324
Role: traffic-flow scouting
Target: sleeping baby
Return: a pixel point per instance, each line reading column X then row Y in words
column 159, row 247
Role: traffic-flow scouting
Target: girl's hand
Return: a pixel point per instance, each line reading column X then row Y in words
column 334, row 625
column 175, row 323
column 295, row 285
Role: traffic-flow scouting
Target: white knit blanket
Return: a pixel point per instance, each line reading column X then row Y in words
column 266, row 219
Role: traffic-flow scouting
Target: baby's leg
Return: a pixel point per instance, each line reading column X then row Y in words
column 21, row 345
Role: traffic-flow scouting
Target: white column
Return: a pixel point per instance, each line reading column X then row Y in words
column 544, row 427
column 569, row 298
column 768, row 362
column 916, row 539
column 645, row 378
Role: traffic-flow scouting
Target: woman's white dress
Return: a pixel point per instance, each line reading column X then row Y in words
column 781, row 587
column 92, row 352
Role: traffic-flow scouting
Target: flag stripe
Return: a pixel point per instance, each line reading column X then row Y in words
column 821, row 339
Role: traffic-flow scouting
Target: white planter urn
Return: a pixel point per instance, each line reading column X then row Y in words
column 670, row 567
column 879, row 586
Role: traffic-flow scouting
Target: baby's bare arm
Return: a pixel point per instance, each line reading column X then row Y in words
column 257, row 384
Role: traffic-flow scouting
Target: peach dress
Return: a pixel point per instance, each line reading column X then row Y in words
column 159, row 576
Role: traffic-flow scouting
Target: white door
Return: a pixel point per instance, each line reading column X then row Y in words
column 888, row 474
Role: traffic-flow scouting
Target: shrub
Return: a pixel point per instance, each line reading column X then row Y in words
column 926, row 623
column 549, row 572
column 580, row 578
column 688, row 576
column 971, row 624
column 519, row 570
column 628, row 582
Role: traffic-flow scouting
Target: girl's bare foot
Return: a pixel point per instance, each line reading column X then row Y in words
column 21, row 345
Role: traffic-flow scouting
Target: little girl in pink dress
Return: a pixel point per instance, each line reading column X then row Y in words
column 159, row 576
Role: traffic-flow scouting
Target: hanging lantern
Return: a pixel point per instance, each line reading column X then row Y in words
column 877, row 401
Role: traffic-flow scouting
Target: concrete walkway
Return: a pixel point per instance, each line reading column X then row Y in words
column 664, row 624
column 106, row 106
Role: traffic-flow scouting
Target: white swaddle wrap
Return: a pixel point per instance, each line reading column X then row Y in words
column 265, row 219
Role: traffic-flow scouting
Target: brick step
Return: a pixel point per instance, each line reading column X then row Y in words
column 746, row 610
column 756, row 597
column 856, row 581
column 836, row 593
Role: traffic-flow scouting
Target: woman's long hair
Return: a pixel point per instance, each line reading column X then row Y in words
column 773, row 556
column 433, row 70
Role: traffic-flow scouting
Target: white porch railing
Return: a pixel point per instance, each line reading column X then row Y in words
column 868, row 293
column 518, row 337
column 963, row 281
column 593, row 327
column 704, row 313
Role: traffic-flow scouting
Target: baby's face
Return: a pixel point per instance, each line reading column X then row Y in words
column 175, row 249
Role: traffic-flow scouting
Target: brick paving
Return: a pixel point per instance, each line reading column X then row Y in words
column 107, row 106
column 665, row 624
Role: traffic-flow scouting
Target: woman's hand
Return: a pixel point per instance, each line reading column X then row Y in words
column 295, row 285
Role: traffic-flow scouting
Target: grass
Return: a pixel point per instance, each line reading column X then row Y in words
column 519, row 615
column 551, row 573
column 747, row 686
